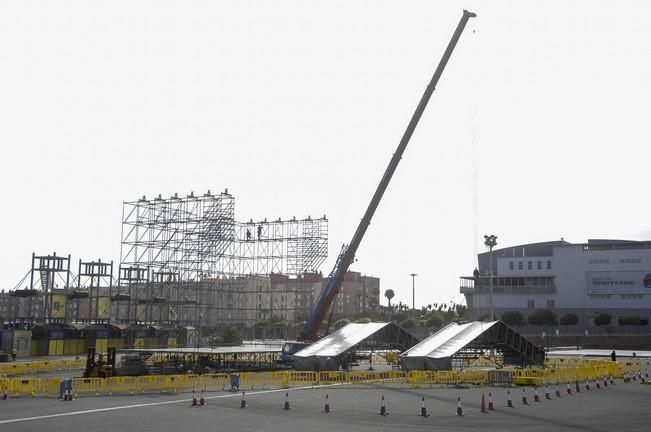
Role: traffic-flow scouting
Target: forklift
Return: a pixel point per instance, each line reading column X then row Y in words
column 97, row 366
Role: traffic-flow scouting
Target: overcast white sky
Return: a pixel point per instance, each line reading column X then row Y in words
column 296, row 108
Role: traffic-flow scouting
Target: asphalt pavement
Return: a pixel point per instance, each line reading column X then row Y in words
column 617, row 407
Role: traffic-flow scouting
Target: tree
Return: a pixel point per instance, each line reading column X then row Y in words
column 603, row 319
column 409, row 323
column 542, row 317
column 435, row 321
column 363, row 320
column 389, row 294
column 512, row 318
column 399, row 316
column 229, row 335
column 340, row 323
column 569, row 319
column 631, row 320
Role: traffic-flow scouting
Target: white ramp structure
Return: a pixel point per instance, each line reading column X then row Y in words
column 467, row 341
column 337, row 349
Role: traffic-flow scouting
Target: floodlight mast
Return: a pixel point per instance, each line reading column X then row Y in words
column 347, row 255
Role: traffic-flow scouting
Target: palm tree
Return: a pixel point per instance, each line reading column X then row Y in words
column 389, row 294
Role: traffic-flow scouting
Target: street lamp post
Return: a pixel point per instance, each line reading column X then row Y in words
column 413, row 290
column 491, row 241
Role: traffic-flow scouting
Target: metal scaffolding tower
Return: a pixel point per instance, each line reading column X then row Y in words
column 197, row 238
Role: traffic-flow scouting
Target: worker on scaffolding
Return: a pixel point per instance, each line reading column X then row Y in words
column 248, row 234
column 259, row 231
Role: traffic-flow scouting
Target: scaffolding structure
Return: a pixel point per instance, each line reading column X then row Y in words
column 183, row 261
column 193, row 238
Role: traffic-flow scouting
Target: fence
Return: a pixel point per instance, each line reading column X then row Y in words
column 558, row 371
column 22, row 368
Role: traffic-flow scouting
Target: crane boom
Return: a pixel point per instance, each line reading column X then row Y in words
column 347, row 255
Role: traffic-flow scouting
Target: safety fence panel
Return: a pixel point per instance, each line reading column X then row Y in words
column 50, row 386
column 390, row 377
column 629, row 367
column 213, row 382
column 93, row 386
column 14, row 368
column 476, row 377
column 126, row 384
column 25, row 386
column 40, row 366
column 4, row 384
column 502, row 378
column 332, row 377
column 446, row 377
column 297, row 379
column 151, row 384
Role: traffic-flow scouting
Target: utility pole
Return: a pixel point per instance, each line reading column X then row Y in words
column 491, row 241
column 413, row 290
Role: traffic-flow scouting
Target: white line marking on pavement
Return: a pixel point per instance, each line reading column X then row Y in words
column 143, row 405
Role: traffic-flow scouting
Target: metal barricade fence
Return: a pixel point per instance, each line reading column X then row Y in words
column 500, row 378
column 581, row 370
column 88, row 386
column 25, row 386
column 125, row 384
column 151, row 383
column 50, row 386
column 476, row 377
column 216, row 381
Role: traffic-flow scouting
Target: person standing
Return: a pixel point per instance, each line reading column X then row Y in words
column 13, row 354
column 613, row 356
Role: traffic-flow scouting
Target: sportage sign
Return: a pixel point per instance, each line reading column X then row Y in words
column 619, row 282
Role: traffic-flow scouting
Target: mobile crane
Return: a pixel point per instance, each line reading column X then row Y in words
column 347, row 254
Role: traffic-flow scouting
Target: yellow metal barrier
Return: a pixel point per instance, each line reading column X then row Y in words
column 88, row 386
column 25, row 386
column 126, row 384
column 21, row 368
column 557, row 372
column 216, row 381
column 150, row 383
column 50, row 386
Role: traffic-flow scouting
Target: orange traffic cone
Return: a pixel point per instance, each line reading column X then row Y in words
column 578, row 387
column 491, row 407
column 423, row 410
column 587, row 385
column 383, row 408
column 569, row 389
column 558, row 390
column 524, row 397
column 483, row 404
column 611, row 380
column 459, row 409
column 286, row 407
column 597, row 384
column 202, row 401
column 243, row 401
column 5, row 395
column 605, row 382
column 326, row 407
column 509, row 403
column 194, row 398
column 535, row 394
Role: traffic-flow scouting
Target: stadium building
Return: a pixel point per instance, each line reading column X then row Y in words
column 598, row 277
